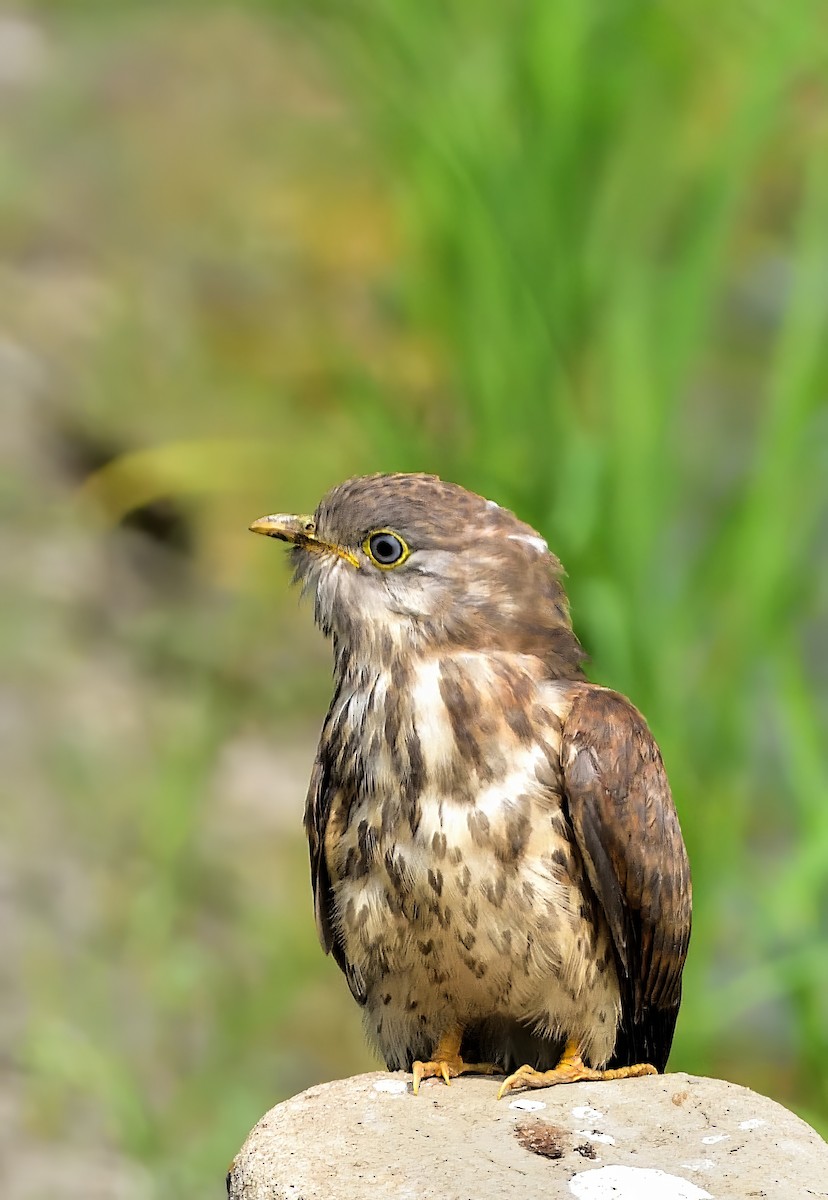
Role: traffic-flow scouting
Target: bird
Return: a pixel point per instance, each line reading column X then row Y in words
column 496, row 859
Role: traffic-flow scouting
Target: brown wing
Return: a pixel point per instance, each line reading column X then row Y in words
column 320, row 796
column 317, row 808
column 628, row 833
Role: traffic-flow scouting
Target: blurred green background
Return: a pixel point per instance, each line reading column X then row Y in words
column 573, row 255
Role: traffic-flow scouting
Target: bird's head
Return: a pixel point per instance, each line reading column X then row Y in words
column 410, row 563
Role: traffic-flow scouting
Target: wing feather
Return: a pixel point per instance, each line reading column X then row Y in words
column 628, row 833
column 317, row 810
column 320, row 798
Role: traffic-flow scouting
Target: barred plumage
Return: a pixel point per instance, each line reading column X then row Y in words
column 496, row 860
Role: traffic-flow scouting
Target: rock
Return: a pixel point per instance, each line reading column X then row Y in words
column 664, row 1137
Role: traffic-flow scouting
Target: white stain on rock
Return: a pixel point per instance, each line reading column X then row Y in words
column 712, row 1138
column 595, row 1136
column 395, row 1087
column 633, row 1183
column 526, row 1105
column 701, row 1164
column 753, row 1123
column 584, row 1113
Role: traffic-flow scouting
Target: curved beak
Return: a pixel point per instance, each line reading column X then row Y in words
column 299, row 531
column 285, row 527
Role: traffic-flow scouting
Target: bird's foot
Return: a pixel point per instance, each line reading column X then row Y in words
column 448, row 1067
column 570, row 1069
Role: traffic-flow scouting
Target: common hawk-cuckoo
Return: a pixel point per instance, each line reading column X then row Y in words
column 496, row 860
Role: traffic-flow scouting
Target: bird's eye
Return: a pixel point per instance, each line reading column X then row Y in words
column 385, row 548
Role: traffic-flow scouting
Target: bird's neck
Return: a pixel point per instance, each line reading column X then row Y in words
column 361, row 656
column 364, row 650
column 397, row 670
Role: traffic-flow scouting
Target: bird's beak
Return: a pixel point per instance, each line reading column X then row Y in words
column 300, row 531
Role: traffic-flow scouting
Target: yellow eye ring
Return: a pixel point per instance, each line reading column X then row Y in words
column 386, row 549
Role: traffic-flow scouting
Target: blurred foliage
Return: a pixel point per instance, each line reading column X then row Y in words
column 573, row 256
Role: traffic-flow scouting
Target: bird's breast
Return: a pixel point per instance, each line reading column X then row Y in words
column 449, row 836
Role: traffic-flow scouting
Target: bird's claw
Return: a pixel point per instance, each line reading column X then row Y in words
column 448, row 1069
column 570, row 1069
column 429, row 1070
